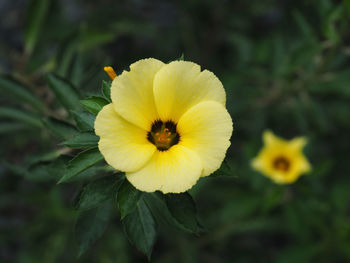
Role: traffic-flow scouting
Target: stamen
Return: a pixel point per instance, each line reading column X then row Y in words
column 163, row 135
column 110, row 71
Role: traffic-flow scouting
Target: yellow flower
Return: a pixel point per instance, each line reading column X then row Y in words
column 281, row 160
column 167, row 125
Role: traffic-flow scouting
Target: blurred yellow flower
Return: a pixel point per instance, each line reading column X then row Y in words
column 167, row 125
column 281, row 160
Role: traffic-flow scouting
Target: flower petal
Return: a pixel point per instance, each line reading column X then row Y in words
column 180, row 85
column 206, row 128
column 302, row 164
column 123, row 145
column 173, row 171
column 271, row 139
column 132, row 93
column 257, row 163
column 298, row 143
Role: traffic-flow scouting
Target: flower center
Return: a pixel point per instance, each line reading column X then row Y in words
column 163, row 135
column 281, row 163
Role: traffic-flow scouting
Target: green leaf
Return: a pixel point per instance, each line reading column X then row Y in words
column 337, row 84
column 65, row 56
column 182, row 57
column 299, row 253
column 94, row 104
column 47, row 171
column 22, row 116
column 331, row 33
column 60, row 128
column 90, row 173
column 247, row 206
column 127, row 198
column 140, row 228
column 91, row 225
column 347, row 4
column 84, row 120
column 303, row 54
column 160, row 210
column 224, row 170
column 279, row 60
column 304, row 26
column 76, row 72
column 81, row 162
column 106, row 89
column 82, row 140
column 40, row 169
column 329, row 26
column 98, row 191
column 20, row 92
column 90, row 38
column 42, row 157
column 8, row 127
column 14, row 168
column 253, row 225
column 64, row 91
column 183, row 209
column 37, row 12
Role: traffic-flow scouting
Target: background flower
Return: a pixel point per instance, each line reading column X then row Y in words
column 281, row 160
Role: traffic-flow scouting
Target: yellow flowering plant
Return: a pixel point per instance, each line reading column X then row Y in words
column 281, row 160
column 167, row 125
column 160, row 128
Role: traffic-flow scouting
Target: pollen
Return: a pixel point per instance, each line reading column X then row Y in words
column 164, row 136
column 110, row 71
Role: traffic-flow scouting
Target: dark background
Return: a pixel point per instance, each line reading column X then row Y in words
column 285, row 66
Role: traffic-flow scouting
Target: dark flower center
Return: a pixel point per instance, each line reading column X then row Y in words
column 163, row 135
column 281, row 163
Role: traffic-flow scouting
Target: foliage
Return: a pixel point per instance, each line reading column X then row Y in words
column 285, row 66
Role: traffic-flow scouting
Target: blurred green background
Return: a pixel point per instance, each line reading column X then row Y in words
column 285, row 65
